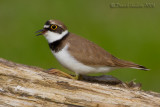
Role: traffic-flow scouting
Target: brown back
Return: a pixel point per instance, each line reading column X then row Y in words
column 91, row 54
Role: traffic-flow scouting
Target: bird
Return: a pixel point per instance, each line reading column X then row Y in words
column 78, row 54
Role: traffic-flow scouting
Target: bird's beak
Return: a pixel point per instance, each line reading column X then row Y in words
column 40, row 32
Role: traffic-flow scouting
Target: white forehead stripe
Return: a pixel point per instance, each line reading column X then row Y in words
column 46, row 26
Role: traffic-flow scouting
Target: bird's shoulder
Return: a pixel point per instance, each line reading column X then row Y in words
column 88, row 52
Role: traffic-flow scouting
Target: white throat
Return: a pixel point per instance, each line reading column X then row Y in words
column 52, row 36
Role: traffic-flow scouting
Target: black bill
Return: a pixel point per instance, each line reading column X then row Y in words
column 40, row 32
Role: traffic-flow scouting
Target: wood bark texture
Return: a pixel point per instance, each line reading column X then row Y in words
column 26, row 86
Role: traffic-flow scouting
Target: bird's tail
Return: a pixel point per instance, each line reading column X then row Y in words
column 140, row 67
column 126, row 64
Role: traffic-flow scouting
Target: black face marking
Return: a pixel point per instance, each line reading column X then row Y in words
column 54, row 27
column 57, row 45
column 47, row 23
column 57, row 30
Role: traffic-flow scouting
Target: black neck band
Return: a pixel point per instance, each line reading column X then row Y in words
column 54, row 46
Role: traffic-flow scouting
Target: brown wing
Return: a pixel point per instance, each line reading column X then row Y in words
column 89, row 53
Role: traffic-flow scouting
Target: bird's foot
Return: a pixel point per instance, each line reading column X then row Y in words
column 59, row 73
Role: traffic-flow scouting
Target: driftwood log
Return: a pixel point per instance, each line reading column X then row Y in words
column 26, row 86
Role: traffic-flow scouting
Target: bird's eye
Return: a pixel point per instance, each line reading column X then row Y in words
column 53, row 27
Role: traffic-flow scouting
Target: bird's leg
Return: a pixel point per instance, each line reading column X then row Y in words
column 63, row 74
column 59, row 73
column 76, row 77
column 79, row 77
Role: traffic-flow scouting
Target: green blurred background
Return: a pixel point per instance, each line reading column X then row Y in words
column 129, row 33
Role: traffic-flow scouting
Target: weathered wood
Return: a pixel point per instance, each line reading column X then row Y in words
column 26, row 86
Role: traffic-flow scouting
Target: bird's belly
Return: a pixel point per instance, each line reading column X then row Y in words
column 74, row 65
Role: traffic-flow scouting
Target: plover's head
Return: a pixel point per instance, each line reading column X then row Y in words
column 53, row 30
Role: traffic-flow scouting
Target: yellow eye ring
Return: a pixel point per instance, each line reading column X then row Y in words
column 53, row 27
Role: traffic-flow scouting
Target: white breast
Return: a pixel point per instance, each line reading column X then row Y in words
column 72, row 64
